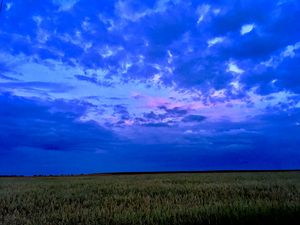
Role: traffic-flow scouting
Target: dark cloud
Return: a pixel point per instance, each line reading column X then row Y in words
column 154, row 116
column 176, row 111
column 193, row 118
column 94, row 80
column 284, row 76
column 4, row 77
column 156, row 119
column 34, row 124
column 6, row 68
column 156, row 124
column 29, row 126
column 122, row 111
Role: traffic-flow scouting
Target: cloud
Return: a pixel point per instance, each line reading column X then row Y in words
column 232, row 67
column 94, row 80
column 36, row 86
column 122, row 111
column 246, row 28
column 30, row 127
column 65, row 5
column 110, row 42
column 29, row 123
column 176, row 111
column 213, row 41
column 202, row 11
column 4, row 77
column 156, row 124
column 274, row 78
column 193, row 118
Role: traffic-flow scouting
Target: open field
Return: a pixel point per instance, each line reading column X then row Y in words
column 205, row 198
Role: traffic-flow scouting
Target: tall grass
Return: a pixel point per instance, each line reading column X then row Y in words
column 220, row 198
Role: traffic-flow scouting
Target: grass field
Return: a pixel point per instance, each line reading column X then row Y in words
column 206, row 198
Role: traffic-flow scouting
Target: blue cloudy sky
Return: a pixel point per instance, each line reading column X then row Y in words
column 100, row 85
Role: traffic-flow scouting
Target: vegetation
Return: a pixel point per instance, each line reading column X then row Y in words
column 211, row 198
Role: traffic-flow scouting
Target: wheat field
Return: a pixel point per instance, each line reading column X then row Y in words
column 152, row 199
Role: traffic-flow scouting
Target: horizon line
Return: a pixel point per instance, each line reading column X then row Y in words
column 154, row 172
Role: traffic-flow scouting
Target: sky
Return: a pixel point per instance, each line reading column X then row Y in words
column 92, row 86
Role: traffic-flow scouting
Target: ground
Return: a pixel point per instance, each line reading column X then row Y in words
column 198, row 198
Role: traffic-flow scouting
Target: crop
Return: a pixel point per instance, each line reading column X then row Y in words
column 159, row 199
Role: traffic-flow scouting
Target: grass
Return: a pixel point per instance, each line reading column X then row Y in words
column 186, row 199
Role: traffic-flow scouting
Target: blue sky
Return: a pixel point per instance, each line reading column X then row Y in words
column 98, row 86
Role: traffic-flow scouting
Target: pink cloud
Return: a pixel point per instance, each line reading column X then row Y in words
column 154, row 102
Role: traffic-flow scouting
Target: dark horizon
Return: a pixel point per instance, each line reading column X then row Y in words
column 153, row 172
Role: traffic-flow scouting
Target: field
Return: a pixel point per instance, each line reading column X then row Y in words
column 204, row 198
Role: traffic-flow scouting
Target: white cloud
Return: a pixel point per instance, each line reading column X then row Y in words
column 65, row 5
column 125, row 11
column 246, row 28
column 170, row 57
column 85, row 24
column 218, row 93
column 110, row 23
column 214, row 41
column 188, row 132
column 106, row 52
column 38, row 20
column 290, row 50
column 156, row 78
column 232, row 67
column 216, row 11
column 274, row 81
column 42, row 36
column 236, row 86
column 8, row 6
column 202, row 11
